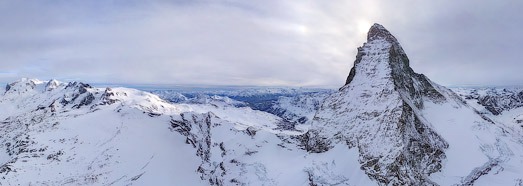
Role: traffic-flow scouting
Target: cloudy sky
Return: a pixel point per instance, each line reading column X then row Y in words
column 255, row 42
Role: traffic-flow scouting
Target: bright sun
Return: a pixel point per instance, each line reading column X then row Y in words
column 302, row 29
column 363, row 26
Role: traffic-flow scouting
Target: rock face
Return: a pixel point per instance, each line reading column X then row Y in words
column 494, row 100
column 378, row 112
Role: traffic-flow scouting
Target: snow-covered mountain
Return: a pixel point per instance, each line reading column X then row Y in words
column 295, row 105
column 502, row 105
column 299, row 108
column 386, row 126
column 409, row 130
column 493, row 100
column 57, row 133
column 258, row 98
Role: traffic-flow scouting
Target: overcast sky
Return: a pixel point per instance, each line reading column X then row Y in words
column 254, row 42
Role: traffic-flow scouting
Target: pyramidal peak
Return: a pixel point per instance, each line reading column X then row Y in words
column 380, row 111
column 404, row 126
column 382, row 60
column 378, row 31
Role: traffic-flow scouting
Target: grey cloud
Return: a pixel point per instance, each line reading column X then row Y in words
column 297, row 43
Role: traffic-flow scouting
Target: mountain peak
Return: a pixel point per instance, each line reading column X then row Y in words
column 383, row 97
column 378, row 31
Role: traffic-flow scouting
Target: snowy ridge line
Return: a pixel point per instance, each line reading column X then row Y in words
column 478, row 172
column 493, row 100
column 294, row 107
column 72, row 133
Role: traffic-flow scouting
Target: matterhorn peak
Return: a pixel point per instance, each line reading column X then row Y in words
column 381, row 47
column 383, row 97
column 382, row 60
column 378, row 31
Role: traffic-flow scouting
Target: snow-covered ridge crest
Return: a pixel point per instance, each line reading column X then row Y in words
column 59, row 96
column 81, row 135
column 27, row 95
column 23, row 83
column 54, row 133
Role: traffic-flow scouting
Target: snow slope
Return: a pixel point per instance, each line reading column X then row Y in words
column 56, row 133
column 52, row 138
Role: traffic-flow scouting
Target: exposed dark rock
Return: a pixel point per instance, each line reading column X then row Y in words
column 480, row 171
column 106, row 97
column 55, row 156
column 87, row 100
column 51, row 85
column 251, row 131
column 197, row 129
column 495, row 100
column 352, row 72
column 7, row 87
column 313, row 142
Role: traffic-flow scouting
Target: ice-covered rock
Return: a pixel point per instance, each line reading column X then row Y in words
column 378, row 112
column 494, row 100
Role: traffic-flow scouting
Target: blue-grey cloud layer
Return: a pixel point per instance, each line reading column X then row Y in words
column 233, row 42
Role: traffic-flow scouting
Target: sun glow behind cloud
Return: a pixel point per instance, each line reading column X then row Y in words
column 302, row 29
column 363, row 26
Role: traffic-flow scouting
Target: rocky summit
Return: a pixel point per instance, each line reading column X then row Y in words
column 386, row 126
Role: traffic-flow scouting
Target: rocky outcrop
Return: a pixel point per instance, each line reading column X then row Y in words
column 378, row 111
column 494, row 100
column 52, row 84
column 78, row 94
column 21, row 86
column 197, row 129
